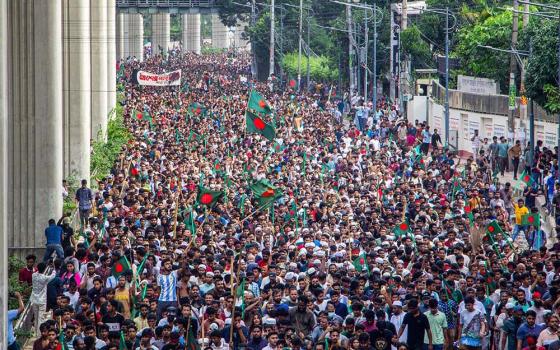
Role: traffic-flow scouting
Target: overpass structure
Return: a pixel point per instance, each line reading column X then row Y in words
column 60, row 77
column 58, row 63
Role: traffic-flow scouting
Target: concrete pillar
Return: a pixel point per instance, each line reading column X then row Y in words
column 77, row 88
column 3, row 170
column 99, row 50
column 219, row 33
column 111, row 56
column 191, row 32
column 161, row 33
column 135, row 37
column 119, row 32
column 47, row 170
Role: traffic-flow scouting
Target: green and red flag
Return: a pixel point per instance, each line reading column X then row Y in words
column 292, row 84
column 265, row 193
column 258, row 104
column 360, row 263
column 532, row 219
column 468, row 211
column 121, row 266
column 526, row 178
column 197, row 109
column 494, row 228
column 401, row 229
column 143, row 115
column 61, row 341
column 191, row 343
column 208, row 197
column 258, row 126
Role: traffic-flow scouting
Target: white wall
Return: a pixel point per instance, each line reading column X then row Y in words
column 488, row 125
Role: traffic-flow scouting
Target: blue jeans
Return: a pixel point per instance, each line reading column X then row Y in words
column 53, row 248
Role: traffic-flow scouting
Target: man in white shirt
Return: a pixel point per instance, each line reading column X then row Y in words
column 397, row 319
column 38, row 298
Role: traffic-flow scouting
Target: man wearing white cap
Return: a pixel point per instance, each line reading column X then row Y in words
column 397, row 319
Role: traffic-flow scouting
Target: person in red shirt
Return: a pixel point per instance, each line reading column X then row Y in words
column 26, row 272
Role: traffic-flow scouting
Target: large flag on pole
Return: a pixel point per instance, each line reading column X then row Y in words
column 257, row 126
column 258, row 104
column 265, row 193
column 208, row 197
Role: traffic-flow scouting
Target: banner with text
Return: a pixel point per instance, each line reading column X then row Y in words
column 165, row 79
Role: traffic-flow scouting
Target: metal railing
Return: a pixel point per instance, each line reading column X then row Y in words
column 165, row 3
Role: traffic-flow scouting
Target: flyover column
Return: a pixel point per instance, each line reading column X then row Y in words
column 220, row 33
column 77, row 88
column 3, row 169
column 135, row 37
column 239, row 42
column 161, row 33
column 99, row 51
column 119, row 33
column 191, row 32
column 111, row 56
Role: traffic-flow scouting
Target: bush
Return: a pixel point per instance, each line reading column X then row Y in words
column 320, row 67
column 105, row 154
column 14, row 265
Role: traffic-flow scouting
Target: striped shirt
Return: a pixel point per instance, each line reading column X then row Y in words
column 168, row 284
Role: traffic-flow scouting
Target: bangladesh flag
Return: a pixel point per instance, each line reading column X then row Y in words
column 401, row 229
column 526, row 178
column 191, row 342
column 292, row 84
column 360, row 263
column 533, row 219
column 121, row 266
column 208, row 197
column 258, row 104
column 258, row 126
column 143, row 115
column 468, row 211
column 494, row 228
column 456, row 185
column 196, row 109
column 61, row 341
column 265, row 193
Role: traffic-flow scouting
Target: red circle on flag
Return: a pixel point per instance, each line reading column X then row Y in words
column 197, row 111
column 362, row 261
column 292, row 83
column 206, row 198
column 268, row 193
column 531, row 219
column 139, row 116
column 262, row 104
column 119, row 268
column 259, row 124
column 217, row 166
column 467, row 209
column 491, row 228
column 292, row 213
column 526, row 178
column 403, row 226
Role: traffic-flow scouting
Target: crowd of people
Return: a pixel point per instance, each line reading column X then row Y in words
column 377, row 237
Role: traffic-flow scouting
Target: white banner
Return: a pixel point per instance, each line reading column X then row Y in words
column 165, row 79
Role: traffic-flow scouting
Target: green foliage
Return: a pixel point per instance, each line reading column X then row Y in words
column 320, row 67
column 552, row 103
column 14, row 265
column 175, row 30
column 494, row 31
column 414, row 46
column 69, row 205
column 105, row 154
column 208, row 50
column 542, row 65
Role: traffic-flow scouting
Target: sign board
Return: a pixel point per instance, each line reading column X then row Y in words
column 165, row 79
column 473, row 85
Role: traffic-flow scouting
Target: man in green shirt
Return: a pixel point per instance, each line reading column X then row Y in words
column 438, row 325
column 503, row 149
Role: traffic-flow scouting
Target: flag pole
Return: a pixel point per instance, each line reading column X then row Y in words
column 253, row 213
column 234, row 300
column 175, row 215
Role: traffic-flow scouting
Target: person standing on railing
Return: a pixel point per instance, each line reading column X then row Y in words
column 12, row 316
column 54, row 240
column 84, row 197
column 38, row 299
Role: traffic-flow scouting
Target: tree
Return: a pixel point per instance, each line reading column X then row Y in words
column 414, row 46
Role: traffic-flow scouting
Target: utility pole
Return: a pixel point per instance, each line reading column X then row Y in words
column 253, row 21
column 558, row 135
column 365, row 53
column 308, row 55
column 375, row 59
column 513, row 63
column 299, row 53
column 271, row 53
column 350, row 48
column 447, row 77
column 403, row 62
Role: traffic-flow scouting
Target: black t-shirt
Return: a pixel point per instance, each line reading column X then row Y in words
column 417, row 326
column 113, row 322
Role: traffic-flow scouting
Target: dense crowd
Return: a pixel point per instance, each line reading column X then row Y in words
column 377, row 237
